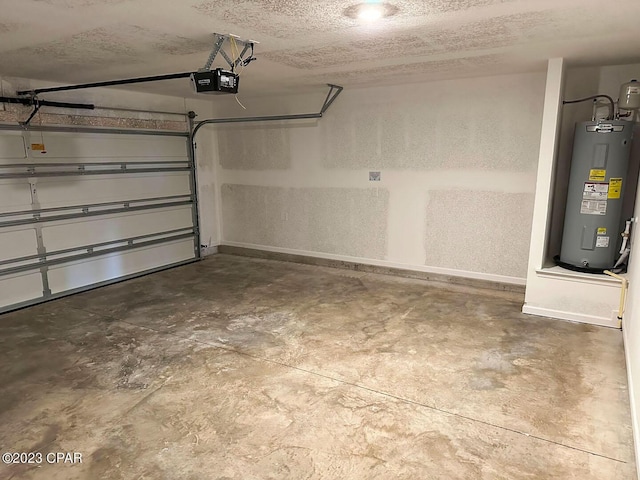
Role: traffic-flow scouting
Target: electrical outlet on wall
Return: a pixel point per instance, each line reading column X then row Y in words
column 374, row 176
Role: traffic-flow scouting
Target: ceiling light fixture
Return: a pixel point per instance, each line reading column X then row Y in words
column 371, row 11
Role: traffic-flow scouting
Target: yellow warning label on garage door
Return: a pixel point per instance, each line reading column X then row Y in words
column 615, row 187
column 37, row 147
column 597, row 175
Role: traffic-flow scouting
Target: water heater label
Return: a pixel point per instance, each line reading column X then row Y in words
column 593, row 207
column 595, row 191
column 615, row 187
column 597, row 175
column 602, row 242
column 602, row 231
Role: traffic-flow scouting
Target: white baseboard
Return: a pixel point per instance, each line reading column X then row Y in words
column 635, row 427
column 571, row 316
column 383, row 263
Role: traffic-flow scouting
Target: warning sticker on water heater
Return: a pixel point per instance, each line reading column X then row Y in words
column 602, row 242
column 593, row 207
column 597, row 174
column 595, row 191
column 615, row 187
column 594, row 198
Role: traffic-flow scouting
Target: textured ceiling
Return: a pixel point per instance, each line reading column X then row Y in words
column 304, row 44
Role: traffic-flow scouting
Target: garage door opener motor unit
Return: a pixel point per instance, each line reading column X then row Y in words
column 215, row 81
column 596, row 231
column 218, row 80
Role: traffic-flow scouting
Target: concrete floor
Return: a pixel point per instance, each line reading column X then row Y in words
column 238, row 368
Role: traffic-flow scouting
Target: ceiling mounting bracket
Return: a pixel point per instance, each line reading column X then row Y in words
column 334, row 91
column 236, row 57
column 36, row 109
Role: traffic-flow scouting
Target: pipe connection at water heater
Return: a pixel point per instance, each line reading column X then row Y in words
column 628, row 99
column 624, row 249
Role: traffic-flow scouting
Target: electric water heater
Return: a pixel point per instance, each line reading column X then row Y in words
column 592, row 225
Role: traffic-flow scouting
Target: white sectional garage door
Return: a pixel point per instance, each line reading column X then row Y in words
column 95, row 208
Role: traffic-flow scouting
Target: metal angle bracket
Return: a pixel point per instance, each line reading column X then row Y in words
column 36, row 109
column 334, row 91
column 233, row 62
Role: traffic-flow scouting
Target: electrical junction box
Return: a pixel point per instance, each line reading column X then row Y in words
column 215, row 81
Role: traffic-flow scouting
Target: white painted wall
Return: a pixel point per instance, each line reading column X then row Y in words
column 457, row 161
column 631, row 330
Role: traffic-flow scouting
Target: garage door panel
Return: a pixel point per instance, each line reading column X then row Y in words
column 126, row 217
column 111, row 228
column 112, row 266
column 14, row 196
column 88, row 190
column 19, row 243
column 88, row 146
column 11, row 148
column 20, row 288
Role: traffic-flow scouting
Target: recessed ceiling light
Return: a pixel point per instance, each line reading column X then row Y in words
column 370, row 11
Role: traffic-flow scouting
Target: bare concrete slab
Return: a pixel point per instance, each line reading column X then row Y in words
column 244, row 368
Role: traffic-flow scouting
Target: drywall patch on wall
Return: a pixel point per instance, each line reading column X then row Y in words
column 492, row 123
column 345, row 221
column 482, row 231
column 352, row 140
column 253, row 148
